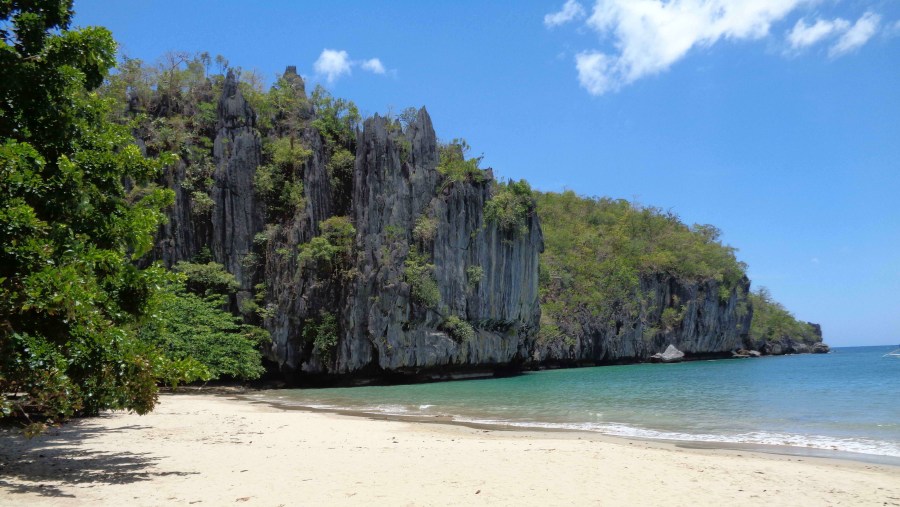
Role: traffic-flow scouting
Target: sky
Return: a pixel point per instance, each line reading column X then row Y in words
column 778, row 121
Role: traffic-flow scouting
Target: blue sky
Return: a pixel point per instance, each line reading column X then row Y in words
column 776, row 120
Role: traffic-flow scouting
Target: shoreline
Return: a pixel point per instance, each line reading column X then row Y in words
column 202, row 449
column 816, row 453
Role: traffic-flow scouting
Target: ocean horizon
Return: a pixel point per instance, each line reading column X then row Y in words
column 836, row 404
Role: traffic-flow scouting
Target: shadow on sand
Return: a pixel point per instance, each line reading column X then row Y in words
column 62, row 457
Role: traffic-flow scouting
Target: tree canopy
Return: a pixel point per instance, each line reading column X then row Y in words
column 597, row 250
column 70, row 225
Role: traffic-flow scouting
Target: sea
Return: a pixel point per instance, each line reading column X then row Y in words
column 844, row 404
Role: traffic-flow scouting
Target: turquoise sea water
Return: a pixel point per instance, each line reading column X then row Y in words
column 847, row 401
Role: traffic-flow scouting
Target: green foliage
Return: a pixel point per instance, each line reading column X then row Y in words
column 511, row 207
column 597, row 250
column 207, row 279
column 772, row 322
column 474, row 275
column 193, row 330
column 394, row 233
column 287, row 153
column 425, row 229
column 340, row 170
column 286, row 104
column 456, row 167
column 419, row 275
column 70, row 293
column 201, row 203
column 408, row 116
column 333, row 248
column 458, row 328
column 278, row 183
column 405, row 147
column 648, row 333
column 323, row 332
column 672, row 317
column 172, row 103
column 336, row 119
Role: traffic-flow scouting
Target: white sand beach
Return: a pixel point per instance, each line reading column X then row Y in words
column 201, row 449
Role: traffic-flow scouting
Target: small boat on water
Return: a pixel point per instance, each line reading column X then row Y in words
column 893, row 353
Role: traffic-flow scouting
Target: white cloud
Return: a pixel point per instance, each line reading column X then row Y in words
column 570, row 11
column 373, row 65
column 804, row 35
column 651, row 35
column 594, row 72
column 332, row 64
column 854, row 38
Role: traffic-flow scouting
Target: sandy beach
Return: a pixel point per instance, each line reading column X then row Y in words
column 202, row 449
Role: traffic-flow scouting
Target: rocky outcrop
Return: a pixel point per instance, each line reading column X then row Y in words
column 791, row 344
column 380, row 325
column 182, row 236
column 384, row 326
column 413, row 228
column 703, row 325
column 236, row 218
column 671, row 355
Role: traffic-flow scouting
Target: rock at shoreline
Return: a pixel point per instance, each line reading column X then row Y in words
column 821, row 348
column 671, row 355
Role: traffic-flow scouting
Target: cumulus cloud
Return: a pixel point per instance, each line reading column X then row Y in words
column 332, row 64
column 571, row 10
column 594, row 72
column 651, row 35
column 804, row 35
column 857, row 35
column 373, row 65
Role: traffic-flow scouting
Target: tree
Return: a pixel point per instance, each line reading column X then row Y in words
column 70, row 226
column 194, row 332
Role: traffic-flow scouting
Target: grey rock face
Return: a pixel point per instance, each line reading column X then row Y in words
column 236, row 217
column 788, row 345
column 182, row 236
column 385, row 327
column 382, row 328
column 708, row 326
column 296, row 294
column 820, row 348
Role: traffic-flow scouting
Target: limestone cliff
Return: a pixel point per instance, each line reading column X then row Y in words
column 426, row 284
column 236, row 218
column 380, row 327
column 705, row 325
column 383, row 325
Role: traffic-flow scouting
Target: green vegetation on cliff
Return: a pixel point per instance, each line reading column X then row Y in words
column 597, row 251
column 772, row 322
column 511, row 206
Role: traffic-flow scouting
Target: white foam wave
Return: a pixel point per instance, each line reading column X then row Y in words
column 854, row 445
column 841, row 444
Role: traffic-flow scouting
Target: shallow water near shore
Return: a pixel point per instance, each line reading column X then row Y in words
column 845, row 402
